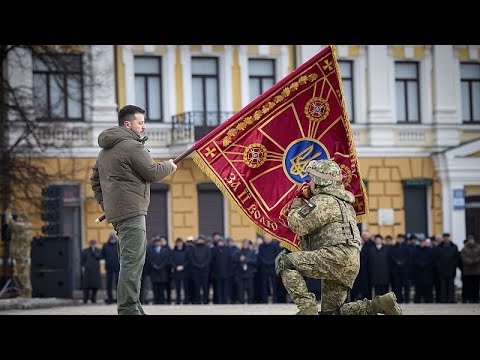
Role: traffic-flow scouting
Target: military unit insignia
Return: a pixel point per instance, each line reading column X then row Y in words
column 317, row 109
column 255, row 155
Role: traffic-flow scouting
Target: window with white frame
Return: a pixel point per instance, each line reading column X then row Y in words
column 470, row 82
column 58, row 87
column 346, row 71
column 148, row 86
column 205, row 91
column 261, row 76
column 407, row 92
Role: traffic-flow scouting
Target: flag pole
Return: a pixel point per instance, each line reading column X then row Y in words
column 176, row 161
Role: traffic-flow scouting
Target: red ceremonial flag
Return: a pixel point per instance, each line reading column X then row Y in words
column 258, row 156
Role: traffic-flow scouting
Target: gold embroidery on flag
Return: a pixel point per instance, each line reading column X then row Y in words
column 255, row 155
column 317, row 109
column 257, row 115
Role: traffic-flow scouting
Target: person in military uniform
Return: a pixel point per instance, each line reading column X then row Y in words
column 325, row 221
column 20, row 246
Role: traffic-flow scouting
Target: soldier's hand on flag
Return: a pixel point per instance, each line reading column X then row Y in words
column 304, row 190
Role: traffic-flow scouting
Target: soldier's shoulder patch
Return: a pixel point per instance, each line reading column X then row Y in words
column 306, row 209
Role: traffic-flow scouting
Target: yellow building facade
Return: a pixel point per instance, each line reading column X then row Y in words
column 439, row 153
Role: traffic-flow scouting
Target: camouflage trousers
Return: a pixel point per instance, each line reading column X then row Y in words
column 132, row 246
column 22, row 272
column 333, row 292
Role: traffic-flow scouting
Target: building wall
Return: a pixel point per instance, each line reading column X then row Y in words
column 384, row 189
column 388, row 153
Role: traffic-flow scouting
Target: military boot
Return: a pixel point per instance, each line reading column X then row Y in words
column 312, row 310
column 386, row 304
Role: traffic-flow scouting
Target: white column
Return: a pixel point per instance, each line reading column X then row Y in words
column 128, row 62
column 446, row 95
column 305, row 52
column 426, row 90
column 169, row 89
column 226, row 94
column 380, row 76
column 187, row 77
column 360, row 87
column 441, row 168
column 103, row 91
column 243, row 63
column 380, row 84
column 282, row 69
column 458, row 230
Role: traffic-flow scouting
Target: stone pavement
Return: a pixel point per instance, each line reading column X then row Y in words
column 55, row 306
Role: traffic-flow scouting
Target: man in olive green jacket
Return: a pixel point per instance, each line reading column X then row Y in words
column 121, row 183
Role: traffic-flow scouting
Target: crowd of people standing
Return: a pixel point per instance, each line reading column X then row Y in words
column 418, row 268
column 214, row 269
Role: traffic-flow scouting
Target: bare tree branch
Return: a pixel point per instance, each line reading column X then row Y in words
column 38, row 119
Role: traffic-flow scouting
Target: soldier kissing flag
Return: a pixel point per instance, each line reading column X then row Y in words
column 258, row 156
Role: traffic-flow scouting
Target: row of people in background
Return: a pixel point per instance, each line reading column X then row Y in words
column 426, row 265
column 199, row 266
column 415, row 268
column 90, row 262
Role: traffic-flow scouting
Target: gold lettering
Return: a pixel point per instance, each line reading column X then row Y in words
column 256, row 214
column 235, row 185
column 230, row 178
column 244, row 196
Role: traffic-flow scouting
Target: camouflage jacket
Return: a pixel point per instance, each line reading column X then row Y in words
column 21, row 237
column 328, row 225
column 327, row 220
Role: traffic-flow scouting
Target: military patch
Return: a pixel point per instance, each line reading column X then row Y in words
column 307, row 208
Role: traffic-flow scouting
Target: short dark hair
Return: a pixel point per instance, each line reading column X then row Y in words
column 127, row 113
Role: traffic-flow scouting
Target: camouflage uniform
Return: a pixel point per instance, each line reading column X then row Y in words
column 20, row 245
column 330, row 243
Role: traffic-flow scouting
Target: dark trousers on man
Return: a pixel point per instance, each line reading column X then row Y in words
column 112, row 280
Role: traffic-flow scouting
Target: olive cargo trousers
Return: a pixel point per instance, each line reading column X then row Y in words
column 132, row 245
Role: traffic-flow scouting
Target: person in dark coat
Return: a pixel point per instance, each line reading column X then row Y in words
column 447, row 261
column 112, row 265
column 422, row 271
column 379, row 266
column 90, row 262
column 267, row 252
column 362, row 287
column 159, row 259
column 199, row 258
column 436, row 241
column 245, row 263
column 400, row 263
column 180, row 274
column 145, row 285
column 470, row 256
column 221, row 268
column 189, row 245
column 233, row 249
